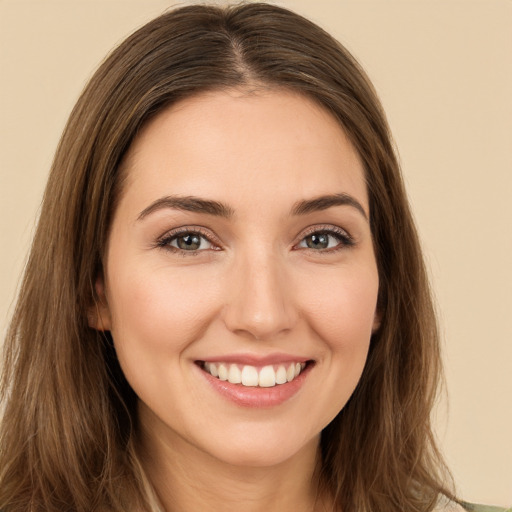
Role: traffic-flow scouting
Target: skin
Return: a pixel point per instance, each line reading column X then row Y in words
column 254, row 288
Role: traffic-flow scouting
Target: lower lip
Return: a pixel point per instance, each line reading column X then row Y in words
column 256, row 397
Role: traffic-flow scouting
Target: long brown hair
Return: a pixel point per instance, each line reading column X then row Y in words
column 69, row 430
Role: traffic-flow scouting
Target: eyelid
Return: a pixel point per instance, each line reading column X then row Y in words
column 324, row 228
column 163, row 240
column 346, row 239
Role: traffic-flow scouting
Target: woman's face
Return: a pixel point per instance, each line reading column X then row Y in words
column 241, row 251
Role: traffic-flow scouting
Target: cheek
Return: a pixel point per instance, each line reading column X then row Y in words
column 342, row 308
column 341, row 313
column 156, row 311
column 156, row 315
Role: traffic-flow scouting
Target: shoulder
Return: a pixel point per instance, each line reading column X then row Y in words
column 470, row 507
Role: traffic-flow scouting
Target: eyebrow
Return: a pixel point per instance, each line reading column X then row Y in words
column 189, row 204
column 324, row 202
column 210, row 207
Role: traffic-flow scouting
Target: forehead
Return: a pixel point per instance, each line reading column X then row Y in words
column 243, row 147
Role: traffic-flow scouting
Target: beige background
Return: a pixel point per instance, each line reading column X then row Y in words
column 444, row 72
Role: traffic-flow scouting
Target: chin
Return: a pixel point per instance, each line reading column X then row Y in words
column 263, row 447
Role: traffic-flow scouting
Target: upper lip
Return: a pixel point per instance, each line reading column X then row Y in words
column 257, row 360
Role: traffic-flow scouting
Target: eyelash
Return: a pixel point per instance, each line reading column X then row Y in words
column 165, row 241
column 344, row 239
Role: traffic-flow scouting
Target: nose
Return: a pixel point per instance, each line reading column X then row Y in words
column 260, row 302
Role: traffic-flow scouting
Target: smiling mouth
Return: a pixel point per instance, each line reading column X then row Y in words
column 251, row 376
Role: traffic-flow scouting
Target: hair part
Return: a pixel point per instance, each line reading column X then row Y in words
column 68, row 438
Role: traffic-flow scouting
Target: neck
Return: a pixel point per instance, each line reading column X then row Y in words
column 187, row 479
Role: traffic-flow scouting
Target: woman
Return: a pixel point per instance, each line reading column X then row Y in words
column 225, row 304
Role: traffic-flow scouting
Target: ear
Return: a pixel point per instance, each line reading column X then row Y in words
column 98, row 314
column 377, row 320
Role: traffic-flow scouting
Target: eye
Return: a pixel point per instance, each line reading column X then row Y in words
column 189, row 242
column 326, row 240
column 186, row 241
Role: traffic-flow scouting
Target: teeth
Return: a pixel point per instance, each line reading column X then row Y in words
column 290, row 373
column 267, row 377
column 223, row 372
column 212, row 368
column 234, row 375
column 280, row 375
column 248, row 375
